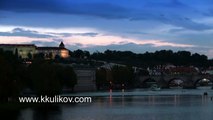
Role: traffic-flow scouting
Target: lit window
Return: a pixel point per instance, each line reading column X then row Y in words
column 64, row 54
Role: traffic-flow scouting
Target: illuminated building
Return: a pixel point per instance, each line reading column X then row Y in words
column 53, row 52
column 25, row 51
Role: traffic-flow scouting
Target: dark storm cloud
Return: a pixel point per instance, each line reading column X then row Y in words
column 171, row 12
column 105, row 10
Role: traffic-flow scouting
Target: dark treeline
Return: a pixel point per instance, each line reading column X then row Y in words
column 10, row 75
column 148, row 59
column 43, row 77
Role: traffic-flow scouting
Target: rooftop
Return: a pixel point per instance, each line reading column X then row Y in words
column 19, row 45
column 50, row 48
column 61, row 47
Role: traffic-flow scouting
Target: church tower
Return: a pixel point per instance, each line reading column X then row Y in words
column 61, row 45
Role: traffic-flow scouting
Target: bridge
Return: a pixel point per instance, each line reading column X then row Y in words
column 164, row 81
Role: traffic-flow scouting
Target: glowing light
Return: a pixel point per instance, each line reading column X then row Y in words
column 64, row 53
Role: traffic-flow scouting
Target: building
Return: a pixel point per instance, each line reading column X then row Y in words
column 25, row 51
column 52, row 52
column 182, row 70
column 86, row 79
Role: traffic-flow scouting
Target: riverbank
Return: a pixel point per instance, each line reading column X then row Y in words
column 145, row 92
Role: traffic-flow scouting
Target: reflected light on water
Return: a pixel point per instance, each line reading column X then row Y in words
column 110, row 97
column 151, row 100
column 205, row 99
column 120, row 105
column 176, row 100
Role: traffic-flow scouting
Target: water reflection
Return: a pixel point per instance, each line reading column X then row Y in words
column 143, row 107
column 41, row 113
column 9, row 114
column 121, row 106
column 47, row 113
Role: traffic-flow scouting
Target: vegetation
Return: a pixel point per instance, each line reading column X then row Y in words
column 10, row 68
column 42, row 76
column 183, row 58
column 80, row 54
column 68, row 77
column 118, row 77
column 45, row 79
column 147, row 59
column 101, row 79
column 48, row 77
column 122, row 76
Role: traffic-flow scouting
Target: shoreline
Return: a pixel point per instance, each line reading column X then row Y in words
column 142, row 92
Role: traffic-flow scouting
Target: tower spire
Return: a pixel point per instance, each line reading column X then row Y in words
column 61, row 45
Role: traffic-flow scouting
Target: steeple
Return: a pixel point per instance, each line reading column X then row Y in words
column 61, row 45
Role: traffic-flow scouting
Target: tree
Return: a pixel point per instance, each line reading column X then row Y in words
column 81, row 54
column 78, row 53
column 29, row 55
column 45, row 79
column 68, row 76
column 86, row 55
column 58, row 58
column 148, row 59
column 6, row 80
column 101, row 78
column 9, row 78
column 123, row 75
column 39, row 57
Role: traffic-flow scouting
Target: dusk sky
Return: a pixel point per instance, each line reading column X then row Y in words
column 97, row 25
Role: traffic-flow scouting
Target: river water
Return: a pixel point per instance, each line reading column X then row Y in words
column 138, row 104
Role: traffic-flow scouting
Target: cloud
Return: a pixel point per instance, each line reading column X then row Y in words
column 25, row 33
column 43, row 34
column 43, row 43
column 91, row 34
column 19, row 40
column 87, row 34
column 104, row 40
column 84, row 39
column 137, row 32
column 176, row 30
column 137, row 48
column 187, row 23
column 173, row 12
column 66, row 7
